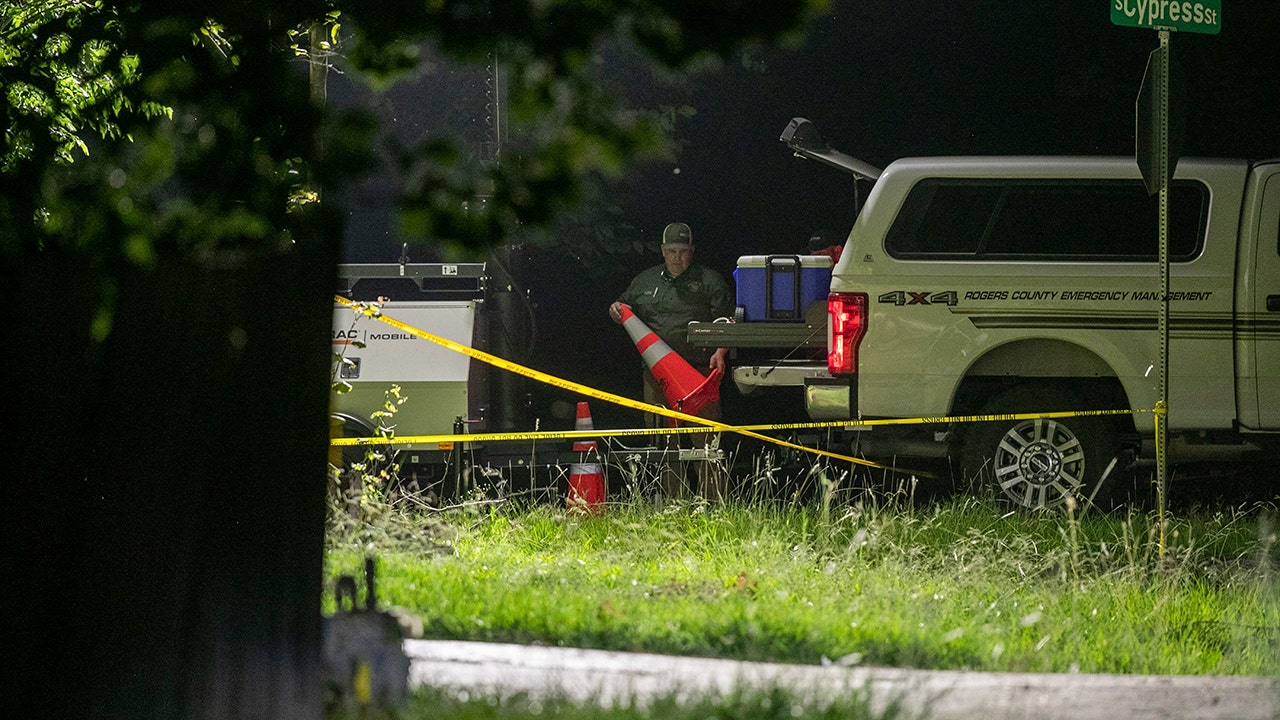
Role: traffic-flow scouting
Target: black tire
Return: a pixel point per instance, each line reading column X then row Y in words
column 1040, row 463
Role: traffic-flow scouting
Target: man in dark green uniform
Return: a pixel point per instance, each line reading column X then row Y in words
column 667, row 298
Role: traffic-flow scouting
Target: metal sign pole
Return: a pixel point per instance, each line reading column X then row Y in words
column 1162, row 407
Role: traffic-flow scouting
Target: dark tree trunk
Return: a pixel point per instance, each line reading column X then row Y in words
column 164, row 502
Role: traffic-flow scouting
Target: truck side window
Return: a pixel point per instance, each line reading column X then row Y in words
column 1045, row 220
column 942, row 218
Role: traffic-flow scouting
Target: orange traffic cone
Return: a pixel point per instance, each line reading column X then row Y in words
column 686, row 389
column 586, row 480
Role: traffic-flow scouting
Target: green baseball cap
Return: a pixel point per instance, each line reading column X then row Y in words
column 677, row 234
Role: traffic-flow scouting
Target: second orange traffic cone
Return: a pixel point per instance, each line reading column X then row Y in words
column 586, row 479
column 686, row 389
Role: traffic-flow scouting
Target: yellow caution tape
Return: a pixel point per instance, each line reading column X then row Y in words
column 589, row 434
column 1161, row 417
column 518, row 369
column 943, row 420
column 704, row 424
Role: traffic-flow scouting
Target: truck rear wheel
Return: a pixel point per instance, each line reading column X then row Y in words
column 1039, row 463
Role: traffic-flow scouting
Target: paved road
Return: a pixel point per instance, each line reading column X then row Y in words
column 609, row 676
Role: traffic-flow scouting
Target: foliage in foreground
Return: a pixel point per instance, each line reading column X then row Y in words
column 196, row 127
column 960, row 584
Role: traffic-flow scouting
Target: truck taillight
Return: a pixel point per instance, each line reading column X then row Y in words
column 847, row 323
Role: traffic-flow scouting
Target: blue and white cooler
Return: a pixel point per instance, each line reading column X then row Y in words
column 778, row 288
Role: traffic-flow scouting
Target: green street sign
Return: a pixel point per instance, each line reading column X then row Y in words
column 1197, row 16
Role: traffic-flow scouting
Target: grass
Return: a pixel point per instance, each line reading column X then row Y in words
column 770, row 703
column 958, row 584
column 743, row 704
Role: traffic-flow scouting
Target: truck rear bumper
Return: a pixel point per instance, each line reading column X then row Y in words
column 750, row 377
column 825, row 397
column 829, row 398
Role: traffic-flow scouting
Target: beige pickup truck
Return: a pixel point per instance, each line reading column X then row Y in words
column 998, row 285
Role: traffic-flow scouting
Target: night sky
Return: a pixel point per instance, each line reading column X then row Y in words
column 881, row 80
column 884, row 80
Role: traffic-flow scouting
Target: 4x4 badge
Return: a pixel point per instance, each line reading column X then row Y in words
column 907, row 297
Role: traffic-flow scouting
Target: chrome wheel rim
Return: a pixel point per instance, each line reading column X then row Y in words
column 1039, row 463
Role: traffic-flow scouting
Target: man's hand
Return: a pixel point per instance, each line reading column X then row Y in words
column 717, row 359
column 615, row 312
